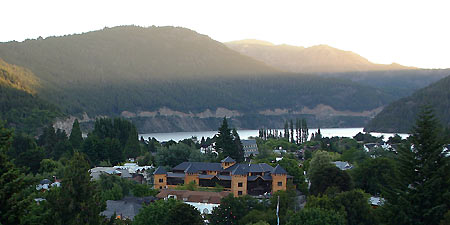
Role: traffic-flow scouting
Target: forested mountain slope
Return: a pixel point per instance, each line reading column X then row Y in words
column 400, row 115
column 158, row 72
column 315, row 59
column 19, row 107
column 326, row 61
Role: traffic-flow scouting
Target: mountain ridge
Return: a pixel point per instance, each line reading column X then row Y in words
column 315, row 59
column 160, row 73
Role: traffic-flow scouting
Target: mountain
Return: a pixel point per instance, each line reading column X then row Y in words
column 20, row 107
column 158, row 75
column 400, row 115
column 399, row 83
column 315, row 59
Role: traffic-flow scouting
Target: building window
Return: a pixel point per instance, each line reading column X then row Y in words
column 280, row 183
column 161, row 180
column 239, row 192
column 240, row 184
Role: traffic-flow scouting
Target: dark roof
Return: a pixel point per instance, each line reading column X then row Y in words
column 248, row 142
column 128, row 207
column 191, row 169
column 236, row 169
column 201, row 176
column 279, row 170
column 45, row 181
column 177, row 175
column 228, row 159
column 160, row 170
column 223, row 177
column 202, row 166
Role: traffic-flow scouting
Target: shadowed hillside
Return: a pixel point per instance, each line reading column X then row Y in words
column 400, row 115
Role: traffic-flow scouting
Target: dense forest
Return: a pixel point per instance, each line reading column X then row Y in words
column 20, row 107
column 139, row 69
column 400, row 115
column 135, row 72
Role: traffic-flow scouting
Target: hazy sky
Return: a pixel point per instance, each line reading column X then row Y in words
column 412, row 33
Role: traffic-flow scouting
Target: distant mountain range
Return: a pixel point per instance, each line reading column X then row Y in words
column 174, row 79
column 315, row 59
column 400, row 116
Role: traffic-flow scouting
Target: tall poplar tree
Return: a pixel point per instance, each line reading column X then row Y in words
column 286, row 130
column 76, row 138
column 291, row 126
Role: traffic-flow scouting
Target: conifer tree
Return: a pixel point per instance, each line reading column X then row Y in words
column 224, row 142
column 77, row 201
column 421, row 195
column 76, row 138
column 238, row 153
column 12, row 184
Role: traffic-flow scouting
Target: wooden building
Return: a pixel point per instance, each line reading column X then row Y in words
column 237, row 178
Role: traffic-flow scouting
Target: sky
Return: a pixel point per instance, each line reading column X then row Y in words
column 411, row 33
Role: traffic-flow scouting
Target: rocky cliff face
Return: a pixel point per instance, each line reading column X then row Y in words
column 168, row 120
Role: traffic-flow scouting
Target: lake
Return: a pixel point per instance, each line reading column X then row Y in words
column 245, row 134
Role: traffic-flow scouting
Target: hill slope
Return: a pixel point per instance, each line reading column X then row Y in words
column 19, row 107
column 159, row 72
column 315, row 59
column 400, row 115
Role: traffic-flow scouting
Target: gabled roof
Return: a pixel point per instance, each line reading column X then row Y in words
column 279, row 170
column 239, row 170
column 191, row 169
column 160, row 170
column 199, row 165
column 228, row 159
column 128, row 207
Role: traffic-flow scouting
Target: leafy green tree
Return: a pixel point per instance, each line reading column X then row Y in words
column 142, row 190
column 78, row 200
column 76, row 138
column 316, row 216
column 173, row 155
column 231, row 210
column 156, row 213
column 184, row 214
column 357, row 207
column 293, row 169
column 330, row 177
column 256, row 216
column 421, row 195
column 287, row 203
column 353, row 205
column 374, row 174
column 320, row 159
